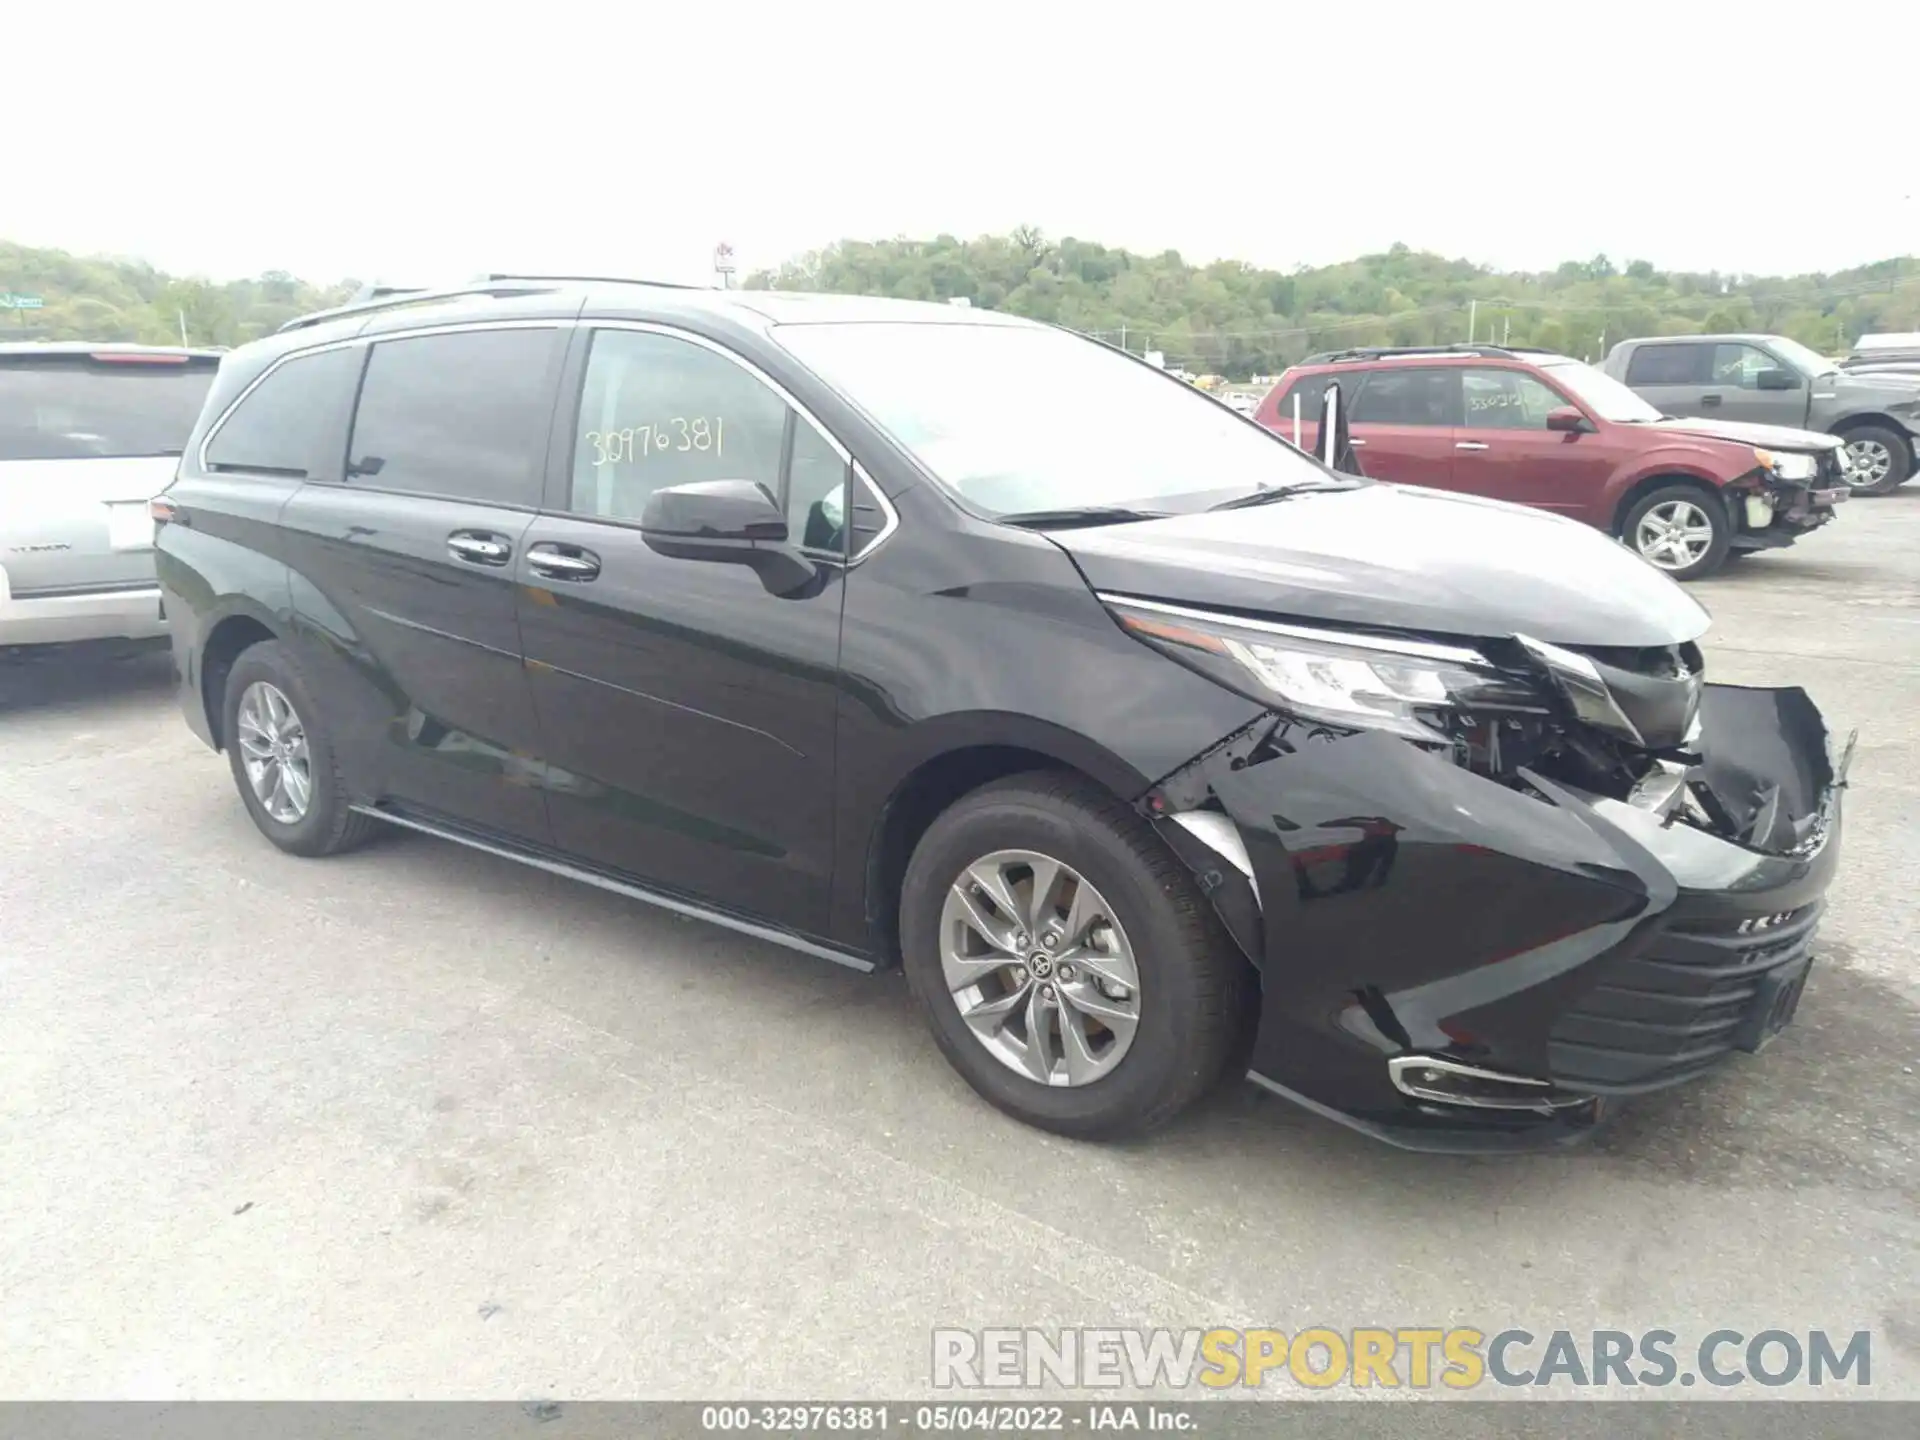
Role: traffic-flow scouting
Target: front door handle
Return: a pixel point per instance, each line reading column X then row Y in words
column 1468, row 445
column 480, row 547
column 1709, row 399
column 563, row 562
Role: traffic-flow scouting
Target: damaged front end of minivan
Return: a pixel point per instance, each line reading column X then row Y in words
column 1491, row 888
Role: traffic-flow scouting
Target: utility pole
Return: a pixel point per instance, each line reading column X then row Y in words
column 183, row 328
column 1473, row 315
column 1123, row 337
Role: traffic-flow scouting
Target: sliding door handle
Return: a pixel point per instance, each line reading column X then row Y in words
column 480, row 547
column 563, row 562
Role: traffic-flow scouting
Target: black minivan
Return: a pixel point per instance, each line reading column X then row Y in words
column 901, row 633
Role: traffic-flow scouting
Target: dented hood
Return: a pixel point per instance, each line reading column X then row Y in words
column 1397, row 557
column 1746, row 432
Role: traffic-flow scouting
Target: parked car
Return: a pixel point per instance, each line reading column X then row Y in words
column 1874, row 350
column 1772, row 380
column 905, row 634
column 1541, row 429
column 88, row 435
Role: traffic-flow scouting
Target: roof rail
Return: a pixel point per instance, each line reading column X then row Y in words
column 385, row 297
column 594, row 279
column 1381, row 352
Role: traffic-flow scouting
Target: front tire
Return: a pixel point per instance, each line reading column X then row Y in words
column 1681, row 529
column 1067, row 964
column 283, row 759
column 1882, row 459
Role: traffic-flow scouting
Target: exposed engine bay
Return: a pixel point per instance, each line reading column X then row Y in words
column 1636, row 726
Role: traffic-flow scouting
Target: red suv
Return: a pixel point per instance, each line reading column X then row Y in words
column 1544, row 430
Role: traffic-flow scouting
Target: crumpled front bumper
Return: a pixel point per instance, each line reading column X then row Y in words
column 1450, row 963
column 1778, row 514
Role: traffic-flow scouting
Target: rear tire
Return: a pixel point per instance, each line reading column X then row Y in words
column 1886, row 453
column 1683, row 530
column 1194, row 992
column 283, row 759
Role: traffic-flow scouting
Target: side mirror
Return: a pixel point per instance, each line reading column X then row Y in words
column 1776, row 380
column 1568, row 419
column 731, row 522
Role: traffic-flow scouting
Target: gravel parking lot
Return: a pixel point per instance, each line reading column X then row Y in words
column 419, row 1123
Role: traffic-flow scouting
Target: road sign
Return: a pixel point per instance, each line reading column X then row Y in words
column 723, row 259
column 20, row 302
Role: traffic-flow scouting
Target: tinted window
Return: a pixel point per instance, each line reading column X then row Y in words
column 1408, row 397
column 1506, row 400
column 463, row 415
column 284, row 424
column 1668, row 365
column 659, row 411
column 816, row 491
column 1739, row 365
column 61, row 407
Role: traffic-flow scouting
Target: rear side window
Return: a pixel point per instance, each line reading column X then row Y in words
column 287, row 424
column 1409, row 397
column 658, row 411
column 1669, row 365
column 462, row 415
column 81, row 407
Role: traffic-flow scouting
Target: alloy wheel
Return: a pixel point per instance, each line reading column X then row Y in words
column 273, row 748
column 1674, row 534
column 1039, row 968
column 1868, row 462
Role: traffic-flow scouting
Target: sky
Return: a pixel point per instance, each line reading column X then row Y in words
column 411, row 143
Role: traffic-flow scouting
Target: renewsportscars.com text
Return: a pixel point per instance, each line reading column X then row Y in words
column 1403, row 1357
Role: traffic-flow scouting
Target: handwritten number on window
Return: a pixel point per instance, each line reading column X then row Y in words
column 637, row 442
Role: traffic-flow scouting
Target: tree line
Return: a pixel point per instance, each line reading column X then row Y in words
column 1226, row 318
column 98, row 298
column 1235, row 319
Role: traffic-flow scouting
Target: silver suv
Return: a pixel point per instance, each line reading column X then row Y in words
column 88, row 435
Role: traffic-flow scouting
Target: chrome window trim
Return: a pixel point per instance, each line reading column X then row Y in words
column 1424, row 649
column 887, row 527
column 675, row 332
column 200, row 454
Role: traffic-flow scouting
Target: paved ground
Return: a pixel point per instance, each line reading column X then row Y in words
column 417, row 1122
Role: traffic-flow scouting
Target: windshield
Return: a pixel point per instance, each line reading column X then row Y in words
column 74, row 407
column 1601, row 393
column 1803, row 358
column 1017, row 419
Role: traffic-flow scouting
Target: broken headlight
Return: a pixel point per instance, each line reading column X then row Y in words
column 1787, row 466
column 1368, row 682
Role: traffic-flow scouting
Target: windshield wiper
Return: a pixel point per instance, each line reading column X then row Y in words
column 1279, row 492
column 1080, row 515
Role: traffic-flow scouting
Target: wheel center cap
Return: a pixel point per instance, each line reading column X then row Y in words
column 1040, row 963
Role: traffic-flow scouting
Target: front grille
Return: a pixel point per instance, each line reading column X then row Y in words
column 1677, row 1008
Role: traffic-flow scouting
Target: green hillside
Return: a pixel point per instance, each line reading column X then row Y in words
column 1226, row 318
column 93, row 298
column 1237, row 319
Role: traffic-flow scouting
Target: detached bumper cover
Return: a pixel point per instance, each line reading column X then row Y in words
column 1399, row 905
